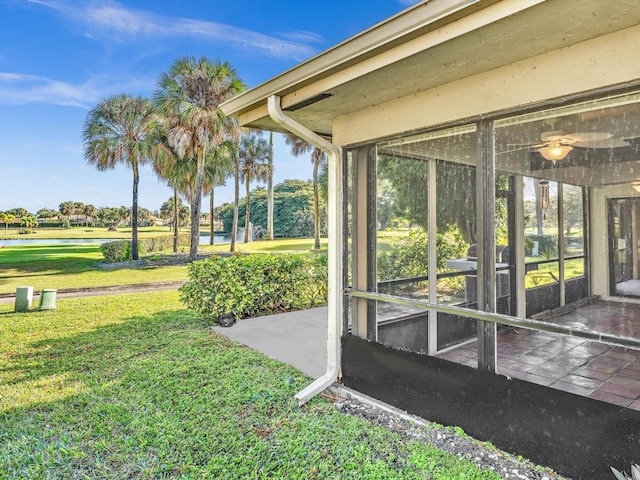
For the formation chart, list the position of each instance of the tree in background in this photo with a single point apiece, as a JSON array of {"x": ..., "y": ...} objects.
[
  {"x": 270, "y": 190},
  {"x": 28, "y": 221},
  {"x": 120, "y": 130},
  {"x": 46, "y": 214},
  {"x": 216, "y": 173},
  {"x": 124, "y": 213},
  {"x": 18, "y": 212},
  {"x": 318, "y": 157},
  {"x": 293, "y": 207},
  {"x": 456, "y": 185},
  {"x": 188, "y": 100},
  {"x": 253, "y": 153},
  {"x": 168, "y": 212},
  {"x": 66, "y": 210},
  {"x": 6, "y": 218},
  {"x": 89, "y": 211},
  {"x": 108, "y": 216},
  {"x": 236, "y": 193}
]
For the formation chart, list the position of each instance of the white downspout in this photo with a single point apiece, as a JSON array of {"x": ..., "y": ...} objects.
[{"x": 335, "y": 292}]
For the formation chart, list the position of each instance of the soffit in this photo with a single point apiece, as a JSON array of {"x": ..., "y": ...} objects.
[{"x": 545, "y": 27}]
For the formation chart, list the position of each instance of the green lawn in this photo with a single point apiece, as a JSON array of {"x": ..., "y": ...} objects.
[
  {"x": 71, "y": 266},
  {"x": 134, "y": 386},
  {"x": 280, "y": 245},
  {"x": 88, "y": 232},
  {"x": 76, "y": 265}
]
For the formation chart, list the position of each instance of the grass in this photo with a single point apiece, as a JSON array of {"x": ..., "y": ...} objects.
[
  {"x": 75, "y": 265},
  {"x": 174, "y": 401},
  {"x": 71, "y": 266},
  {"x": 82, "y": 232},
  {"x": 281, "y": 245}
]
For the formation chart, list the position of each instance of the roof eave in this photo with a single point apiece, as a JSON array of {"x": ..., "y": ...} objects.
[{"x": 416, "y": 20}]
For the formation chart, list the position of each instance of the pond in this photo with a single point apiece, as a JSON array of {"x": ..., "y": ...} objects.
[{"x": 204, "y": 240}]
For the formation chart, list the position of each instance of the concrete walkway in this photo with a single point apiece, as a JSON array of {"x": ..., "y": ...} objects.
[{"x": 297, "y": 338}]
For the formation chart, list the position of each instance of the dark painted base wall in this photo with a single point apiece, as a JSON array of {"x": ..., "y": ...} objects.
[{"x": 577, "y": 436}]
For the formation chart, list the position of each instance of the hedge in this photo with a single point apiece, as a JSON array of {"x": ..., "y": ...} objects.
[
  {"x": 254, "y": 285},
  {"x": 120, "y": 250}
]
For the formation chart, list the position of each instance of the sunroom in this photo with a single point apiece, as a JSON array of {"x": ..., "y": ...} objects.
[{"x": 484, "y": 218}]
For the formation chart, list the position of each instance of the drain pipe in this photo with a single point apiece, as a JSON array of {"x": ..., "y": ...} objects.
[{"x": 334, "y": 155}]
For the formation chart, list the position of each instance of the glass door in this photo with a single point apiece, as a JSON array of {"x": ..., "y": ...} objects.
[{"x": 623, "y": 246}]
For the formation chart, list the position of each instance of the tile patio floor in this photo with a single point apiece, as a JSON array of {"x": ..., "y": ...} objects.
[{"x": 583, "y": 367}]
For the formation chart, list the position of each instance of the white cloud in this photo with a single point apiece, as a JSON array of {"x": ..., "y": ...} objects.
[
  {"x": 302, "y": 36},
  {"x": 20, "y": 89},
  {"x": 119, "y": 23}
]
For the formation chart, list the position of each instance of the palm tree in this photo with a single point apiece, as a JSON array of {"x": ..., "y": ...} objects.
[
  {"x": 270, "y": 191},
  {"x": 298, "y": 147},
  {"x": 123, "y": 214},
  {"x": 46, "y": 214},
  {"x": 6, "y": 218},
  {"x": 108, "y": 215},
  {"x": 180, "y": 173},
  {"x": 120, "y": 129},
  {"x": 78, "y": 209},
  {"x": 216, "y": 173},
  {"x": 236, "y": 191},
  {"x": 172, "y": 169},
  {"x": 66, "y": 210},
  {"x": 28, "y": 221},
  {"x": 253, "y": 153},
  {"x": 188, "y": 101},
  {"x": 89, "y": 211}
]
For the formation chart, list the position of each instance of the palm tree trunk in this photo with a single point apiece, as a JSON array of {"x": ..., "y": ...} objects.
[
  {"x": 247, "y": 212},
  {"x": 316, "y": 205},
  {"x": 176, "y": 220},
  {"x": 270, "y": 191},
  {"x": 539, "y": 217},
  {"x": 134, "y": 212},
  {"x": 195, "y": 206},
  {"x": 236, "y": 199},
  {"x": 211, "y": 226}
]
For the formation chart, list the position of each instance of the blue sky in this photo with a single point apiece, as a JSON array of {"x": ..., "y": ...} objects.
[{"x": 58, "y": 58}]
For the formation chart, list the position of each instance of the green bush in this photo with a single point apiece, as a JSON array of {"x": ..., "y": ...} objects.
[
  {"x": 408, "y": 256},
  {"x": 254, "y": 285},
  {"x": 120, "y": 250}
]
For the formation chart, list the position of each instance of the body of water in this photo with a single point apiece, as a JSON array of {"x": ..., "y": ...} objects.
[{"x": 204, "y": 240}]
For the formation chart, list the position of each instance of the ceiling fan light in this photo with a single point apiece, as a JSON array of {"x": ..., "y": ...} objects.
[{"x": 555, "y": 152}]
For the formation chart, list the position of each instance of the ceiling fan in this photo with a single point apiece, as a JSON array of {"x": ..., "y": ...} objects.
[{"x": 556, "y": 144}]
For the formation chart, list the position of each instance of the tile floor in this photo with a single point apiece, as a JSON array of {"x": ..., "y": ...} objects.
[{"x": 583, "y": 367}]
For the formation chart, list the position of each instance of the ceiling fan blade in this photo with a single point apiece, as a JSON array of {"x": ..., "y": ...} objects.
[
  {"x": 580, "y": 137},
  {"x": 519, "y": 148},
  {"x": 608, "y": 143},
  {"x": 526, "y": 144}
]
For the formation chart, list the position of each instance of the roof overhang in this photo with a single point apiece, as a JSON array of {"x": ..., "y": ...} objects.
[{"x": 432, "y": 43}]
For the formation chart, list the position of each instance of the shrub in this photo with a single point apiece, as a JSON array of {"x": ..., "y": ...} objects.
[
  {"x": 408, "y": 256},
  {"x": 254, "y": 285},
  {"x": 120, "y": 250}
]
